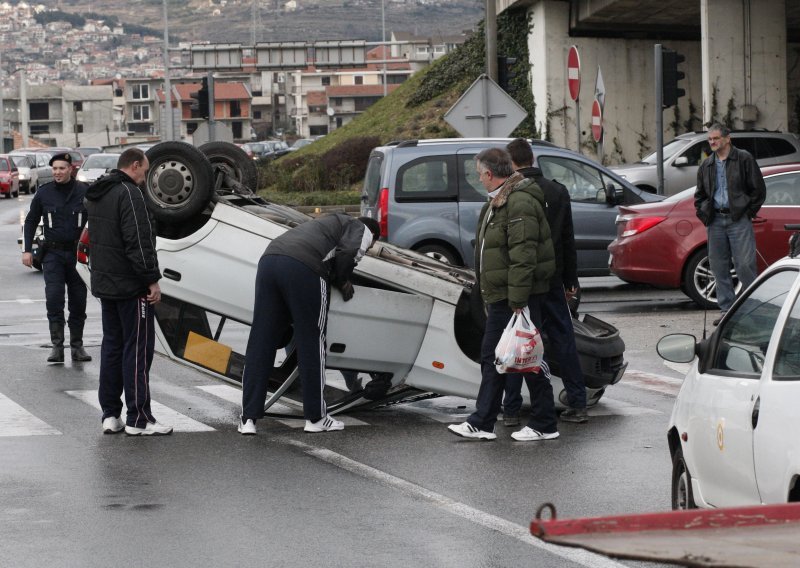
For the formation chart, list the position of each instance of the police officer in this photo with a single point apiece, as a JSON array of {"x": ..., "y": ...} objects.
[{"x": 60, "y": 204}]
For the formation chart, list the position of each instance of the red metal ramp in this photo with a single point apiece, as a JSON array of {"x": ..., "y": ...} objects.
[{"x": 758, "y": 537}]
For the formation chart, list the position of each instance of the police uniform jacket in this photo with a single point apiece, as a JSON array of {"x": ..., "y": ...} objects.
[
  {"x": 61, "y": 207},
  {"x": 122, "y": 253}
]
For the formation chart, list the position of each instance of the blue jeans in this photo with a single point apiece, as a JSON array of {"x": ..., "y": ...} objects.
[
  {"x": 730, "y": 240},
  {"x": 490, "y": 393}
]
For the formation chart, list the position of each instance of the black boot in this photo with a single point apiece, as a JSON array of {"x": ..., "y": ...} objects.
[
  {"x": 76, "y": 344},
  {"x": 57, "y": 338}
]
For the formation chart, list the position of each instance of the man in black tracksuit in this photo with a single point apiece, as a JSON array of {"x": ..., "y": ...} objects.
[
  {"x": 125, "y": 275},
  {"x": 556, "y": 317},
  {"x": 292, "y": 283},
  {"x": 60, "y": 204}
]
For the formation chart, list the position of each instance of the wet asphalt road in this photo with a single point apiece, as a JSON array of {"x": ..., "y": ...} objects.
[{"x": 393, "y": 489}]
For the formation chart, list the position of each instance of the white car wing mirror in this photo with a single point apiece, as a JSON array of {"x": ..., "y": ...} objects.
[{"x": 677, "y": 347}]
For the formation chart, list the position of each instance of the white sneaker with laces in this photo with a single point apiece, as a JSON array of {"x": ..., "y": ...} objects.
[
  {"x": 528, "y": 434},
  {"x": 247, "y": 428},
  {"x": 113, "y": 425},
  {"x": 152, "y": 429},
  {"x": 467, "y": 430},
  {"x": 326, "y": 424}
]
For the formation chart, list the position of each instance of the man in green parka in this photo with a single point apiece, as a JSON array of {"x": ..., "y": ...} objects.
[{"x": 514, "y": 261}]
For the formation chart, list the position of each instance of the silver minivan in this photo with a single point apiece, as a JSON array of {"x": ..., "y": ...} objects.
[{"x": 427, "y": 197}]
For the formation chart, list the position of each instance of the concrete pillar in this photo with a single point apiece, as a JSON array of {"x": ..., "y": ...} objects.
[{"x": 744, "y": 55}]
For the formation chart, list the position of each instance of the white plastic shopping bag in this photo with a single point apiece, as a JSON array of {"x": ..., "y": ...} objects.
[{"x": 520, "y": 348}]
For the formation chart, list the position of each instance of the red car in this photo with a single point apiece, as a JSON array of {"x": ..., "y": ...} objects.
[
  {"x": 664, "y": 243},
  {"x": 9, "y": 177}
]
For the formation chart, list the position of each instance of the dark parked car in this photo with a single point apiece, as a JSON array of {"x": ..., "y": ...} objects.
[{"x": 664, "y": 244}]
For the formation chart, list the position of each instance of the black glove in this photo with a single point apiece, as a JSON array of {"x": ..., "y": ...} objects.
[{"x": 347, "y": 291}]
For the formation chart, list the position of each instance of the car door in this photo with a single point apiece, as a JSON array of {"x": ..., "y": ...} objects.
[
  {"x": 726, "y": 398},
  {"x": 776, "y": 445},
  {"x": 472, "y": 197},
  {"x": 681, "y": 171},
  {"x": 594, "y": 219},
  {"x": 43, "y": 169},
  {"x": 781, "y": 206}
]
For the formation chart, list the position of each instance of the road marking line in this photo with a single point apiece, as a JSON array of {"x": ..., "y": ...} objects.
[
  {"x": 20, "y": 301},
  {"x": 234, "y": 395},
  {"x": 492, "y": 522},
  {"x": 16, "y": 421},
  {"x": 613, "y": 407},
  {"x": 652, "y": 382},
  {"x": 180, "y": 422}
]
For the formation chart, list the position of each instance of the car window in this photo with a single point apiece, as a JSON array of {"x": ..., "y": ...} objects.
[
  {"x": 583, "y": 182},
  {"x": 783, "y": 189},
  {"x": 372, "y": 181},
  {"x": 774, "y": 147},
  {"x": 4, "y": 165},
  {"x": 745, "y": 337},
  {"x": 41, "y": 160},
  {"x": 21, "y": 161},
  {"x": 697, "y": 153},
  {"x": 787, "y": 359},
  {"x": 101, "y": 161},
  {"x": 669, "y": 150},
  {"x": 431, "y": 177},
  {"x": 745, "y": 143},
  {"x": 470, "y": 187}
]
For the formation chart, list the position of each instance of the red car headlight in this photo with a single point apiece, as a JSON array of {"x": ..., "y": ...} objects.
[{"x": 636, "y": 225}]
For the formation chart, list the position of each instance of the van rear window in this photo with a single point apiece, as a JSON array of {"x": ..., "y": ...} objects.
[
  {"x": 431, "y": 178},
  {"x": 372, "y": 181}
]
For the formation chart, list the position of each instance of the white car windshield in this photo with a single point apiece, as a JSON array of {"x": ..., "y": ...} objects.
[
  {"x": 669, "y": 150},
  {"x": 101, "y": 162}
]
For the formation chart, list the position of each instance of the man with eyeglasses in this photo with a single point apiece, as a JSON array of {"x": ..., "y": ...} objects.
[{"x": 730, "y": 191}]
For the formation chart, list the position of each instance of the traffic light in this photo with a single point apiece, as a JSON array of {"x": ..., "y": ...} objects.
[
  {"x": 506, "y": 72},
  {"x": 200, "y": 107},
  {"x": 670, "y": 77}
]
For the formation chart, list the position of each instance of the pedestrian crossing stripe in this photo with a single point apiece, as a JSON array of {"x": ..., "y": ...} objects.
[
  {"x": 234, "y": 395},
  {"x": 16, "y": 421},
  {"x": 180, "y": 422}
]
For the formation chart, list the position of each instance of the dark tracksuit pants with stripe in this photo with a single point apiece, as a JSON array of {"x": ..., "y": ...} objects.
[
  {"x": 125, "y": 358},
  {"x": 287, "y": 292}
]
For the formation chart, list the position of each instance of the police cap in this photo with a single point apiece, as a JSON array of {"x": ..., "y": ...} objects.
[{"x": 63, "y": 157}]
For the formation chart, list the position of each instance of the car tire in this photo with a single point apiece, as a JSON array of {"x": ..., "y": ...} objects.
[
  {"x": 441, "y": 253},
  {"x": 233, "y": 161},
  {"x": 699, "y": 283},
  {"x": 682, "y": 497},
  {"x": 179, "y": 183}
]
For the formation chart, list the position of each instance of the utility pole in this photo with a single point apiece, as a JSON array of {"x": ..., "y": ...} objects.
[
  {"x": 490, "y": 29},
  {"x": 383, "y": 50},
  {"x": 211, "y": 103},
  {"x": 2, "y": 111},
  {"x": 23, "y": 105},
  {"x": 658, "y": 53},
  {"x": 75, "y": 122},
  {"x": 167, "y": 86}
]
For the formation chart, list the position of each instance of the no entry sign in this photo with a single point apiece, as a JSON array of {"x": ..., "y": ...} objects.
[
  {"x": 574, "y": 73},
  {"x": 597, "y": 121}
]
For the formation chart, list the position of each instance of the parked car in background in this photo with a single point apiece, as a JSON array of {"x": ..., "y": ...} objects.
[
  {"x": 9, "y": 177},
  {"x": 664, "y": 243},
  {"x": 89, "y": 150},
  {"x": 300, "y": 143},
  {"x": 686, "y": 152},
  {"x": 256, "y": 150},
  {"x": 41, "y": 172},
  {"x": 26, "y": 172},
  {"x": 96, "y": 166},
  {"x": 426, "y": 196},
  {"x": 733, "y": 430},
  {"x": 77, "y": 157}
]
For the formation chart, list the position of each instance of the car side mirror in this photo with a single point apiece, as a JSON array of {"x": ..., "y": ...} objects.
[
  {"x": 681, "y": 161},
  {"x": 614, "y": 194},
  {"x": 677, "y": 347}
]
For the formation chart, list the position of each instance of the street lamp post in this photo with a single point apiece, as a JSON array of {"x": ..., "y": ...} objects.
[
  {"x": 383, "y": 50},
  {"x": 167, "y": 86}
]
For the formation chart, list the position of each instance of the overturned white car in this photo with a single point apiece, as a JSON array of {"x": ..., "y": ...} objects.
[{"x": 414, "y": 325}]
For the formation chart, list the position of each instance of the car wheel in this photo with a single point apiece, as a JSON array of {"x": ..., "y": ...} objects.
[
  {"x": 441, "y": 253},
  {"x": 233, "y": 161},
  {"x": 682, "y": 498},
  {"x": 699, "y": 282},
  {"x": 179, "y": 183}
]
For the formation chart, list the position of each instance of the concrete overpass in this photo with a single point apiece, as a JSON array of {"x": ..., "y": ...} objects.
[{"x": 742, "y": 65}]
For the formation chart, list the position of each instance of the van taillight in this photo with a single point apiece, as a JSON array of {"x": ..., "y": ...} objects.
[
  {"x": 83, "y": 247},
  {"x": 383, "y": 212}
]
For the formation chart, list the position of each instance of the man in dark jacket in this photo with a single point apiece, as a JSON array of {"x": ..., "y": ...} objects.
[
  {"x": 292, "y": 283},
  {"x": 730, "y": 191},
  {"x": 124, "y": 276},
  {"x": 60, "y": 204},
  {"x": 556, "y": 317},
  {"x": 514, "y": 263}
]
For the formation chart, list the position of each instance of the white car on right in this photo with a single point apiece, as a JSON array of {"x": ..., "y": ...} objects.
[{"x": 734, "y": 433}]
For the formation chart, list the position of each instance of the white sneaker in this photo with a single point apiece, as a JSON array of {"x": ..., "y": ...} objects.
[
  {"x": 528, "y": 434},
  {"x": 247, "y": 428},
  {"x": 152, "y": 429},
  {"x": 467, "y": 430},
  {"x": 326, "y": 424},
  {"x": 112, "y": 425}
]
